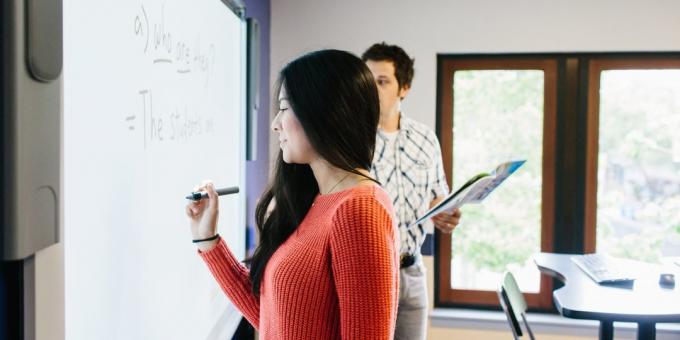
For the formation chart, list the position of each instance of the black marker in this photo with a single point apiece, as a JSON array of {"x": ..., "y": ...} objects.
[{"x": 199, "y": 195}]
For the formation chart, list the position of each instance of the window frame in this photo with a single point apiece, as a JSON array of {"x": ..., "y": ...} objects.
[
  {"x": 595, "y": 68},
  {"x": 447, "y": 66},
  {"x": 573, "y": 157}
]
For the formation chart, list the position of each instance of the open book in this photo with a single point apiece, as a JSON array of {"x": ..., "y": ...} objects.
[{"x": 473, "y": 191}]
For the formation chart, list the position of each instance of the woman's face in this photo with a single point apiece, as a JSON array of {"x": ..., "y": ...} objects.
[{"x": 293, "y": 141}]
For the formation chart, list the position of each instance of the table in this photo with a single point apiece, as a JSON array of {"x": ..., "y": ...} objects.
[{"x": 645, "y": 302}]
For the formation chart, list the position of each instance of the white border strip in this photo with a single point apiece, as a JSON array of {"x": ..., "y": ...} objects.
[{"x": 541, "y": 323}]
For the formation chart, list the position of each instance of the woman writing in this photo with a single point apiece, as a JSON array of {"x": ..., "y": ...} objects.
[{"x": 326, "y": 266}]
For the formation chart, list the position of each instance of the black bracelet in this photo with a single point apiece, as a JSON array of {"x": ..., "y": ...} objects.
[{"x": 206, "y": 239}]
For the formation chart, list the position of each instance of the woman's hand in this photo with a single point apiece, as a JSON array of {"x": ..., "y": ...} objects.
[{"x": 203, "y": 215}]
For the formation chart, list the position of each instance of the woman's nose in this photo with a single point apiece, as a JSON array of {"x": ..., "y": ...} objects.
[{"x": 276, "y": 124}]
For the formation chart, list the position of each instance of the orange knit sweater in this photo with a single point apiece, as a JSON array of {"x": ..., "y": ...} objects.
[{"x": 335, "y": 277}]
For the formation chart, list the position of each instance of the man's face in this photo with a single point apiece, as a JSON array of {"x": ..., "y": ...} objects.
[{"x": 388, "y": 87}]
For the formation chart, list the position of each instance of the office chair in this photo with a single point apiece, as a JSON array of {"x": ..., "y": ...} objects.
[{"x": 513, "y": 304}]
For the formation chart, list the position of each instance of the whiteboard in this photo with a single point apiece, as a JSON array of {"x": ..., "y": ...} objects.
[{"x": 153, "y": 104}]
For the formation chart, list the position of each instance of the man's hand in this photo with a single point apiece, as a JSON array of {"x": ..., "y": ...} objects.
[{"x": 445, "y": 221}]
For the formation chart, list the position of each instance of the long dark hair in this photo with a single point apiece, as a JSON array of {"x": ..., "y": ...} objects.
[{"x": 334, "y": 96}]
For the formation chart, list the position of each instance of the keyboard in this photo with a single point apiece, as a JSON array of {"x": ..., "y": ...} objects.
[{"x": 602, "y": 269}]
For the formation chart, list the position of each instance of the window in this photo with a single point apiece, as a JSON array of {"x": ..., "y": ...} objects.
[
  {"x": 633, "y": 205},
  {"x": 599, "y": 132},
  {"x": 494, "y": 111}
]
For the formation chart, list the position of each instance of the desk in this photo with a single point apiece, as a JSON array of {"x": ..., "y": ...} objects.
[{"x": 645, "y": 302}]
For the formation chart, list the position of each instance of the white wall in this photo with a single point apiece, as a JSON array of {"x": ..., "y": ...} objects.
[{"x": 428, "y": 27}]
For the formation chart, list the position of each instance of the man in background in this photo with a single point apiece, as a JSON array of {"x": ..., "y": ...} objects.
[{"x": 408, "y": 163}]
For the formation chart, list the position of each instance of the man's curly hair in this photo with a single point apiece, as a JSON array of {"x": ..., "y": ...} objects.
[{"x": 403, "y": 64}]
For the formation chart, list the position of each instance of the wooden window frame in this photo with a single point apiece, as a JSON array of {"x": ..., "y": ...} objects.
[
  {"x": 595, "y": 67},
  {"x": 447, "y": 66},
  {"x": 572, "y": 156}
]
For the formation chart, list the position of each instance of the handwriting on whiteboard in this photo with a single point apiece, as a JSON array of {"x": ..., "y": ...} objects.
[
  {"x": 157, "y": 42},
  {"x": 177, "y": 125}
]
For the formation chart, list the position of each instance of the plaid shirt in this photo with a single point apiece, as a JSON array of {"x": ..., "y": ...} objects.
[{"x": 411, "y": 172}]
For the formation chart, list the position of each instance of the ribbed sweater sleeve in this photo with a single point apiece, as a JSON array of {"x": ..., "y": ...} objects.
[
  {"x": 365, "y": 269},
  {"x": 234, "y": 280}
]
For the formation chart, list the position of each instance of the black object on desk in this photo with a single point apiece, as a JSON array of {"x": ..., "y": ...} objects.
[
  {"x": 667, "y": 280},
  {"x": 644, "y": 302}
]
